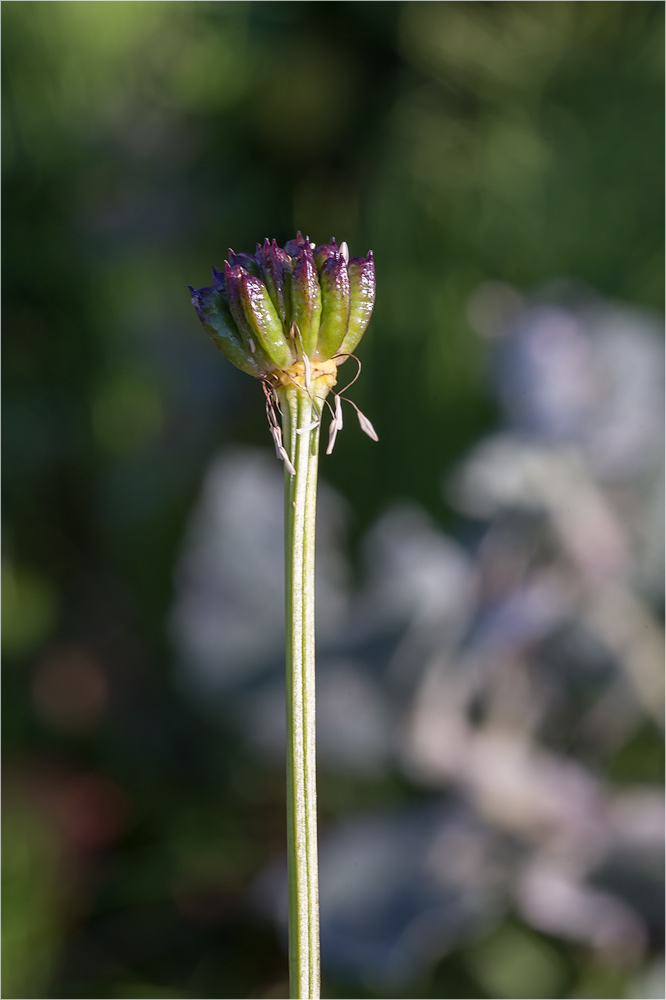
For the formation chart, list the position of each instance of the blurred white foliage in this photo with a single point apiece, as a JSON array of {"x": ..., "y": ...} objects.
[
  {"x": 228, "y": 618},
  {"x": 572, "y": 368}
]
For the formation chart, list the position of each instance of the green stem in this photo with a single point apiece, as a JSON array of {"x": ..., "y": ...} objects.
[{"x": 299, "y": 412}]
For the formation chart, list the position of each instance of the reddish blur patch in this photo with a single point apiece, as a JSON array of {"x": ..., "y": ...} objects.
[
  {"x": 70, "y": 689},
  {"x": 93, "y": 811}
]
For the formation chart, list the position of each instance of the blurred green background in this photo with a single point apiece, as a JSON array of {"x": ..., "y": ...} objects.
[{"x": 464, "y": 143}]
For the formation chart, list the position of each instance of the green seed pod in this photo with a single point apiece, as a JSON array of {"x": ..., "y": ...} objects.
[
  {"x": 277, "y": 274},
  {"x": 362, "y": 285},
  {"x": 264, "y": 322},
  {"x": 336, "y": 301},
  {"x": 232, "y": 280},
  {"x": 218, "y": 323},
  {"x": 305, "y": 300}
]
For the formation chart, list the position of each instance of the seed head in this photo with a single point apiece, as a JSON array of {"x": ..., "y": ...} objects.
[
  {"x": 279, "y": 308},
  {"x": 290, "y": 317}
]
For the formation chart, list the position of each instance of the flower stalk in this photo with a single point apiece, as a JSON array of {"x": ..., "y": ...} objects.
[
  {"x": 290, "y": 317},
  {"x": 301, "y": 441}
]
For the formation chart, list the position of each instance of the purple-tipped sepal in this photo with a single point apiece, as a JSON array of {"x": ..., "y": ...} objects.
[
  {"x": 293, "y": 246},
  {"x": 324, "y": 252},
  {"x": 248, "y": 261},
  {"x": 219, "y": 283}
]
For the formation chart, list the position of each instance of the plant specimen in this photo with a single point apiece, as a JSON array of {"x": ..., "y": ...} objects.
[{"x": 290, "y": 317}]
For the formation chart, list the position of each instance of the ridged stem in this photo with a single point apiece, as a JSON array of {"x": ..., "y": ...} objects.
[{"x": 301, "y": 440}]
